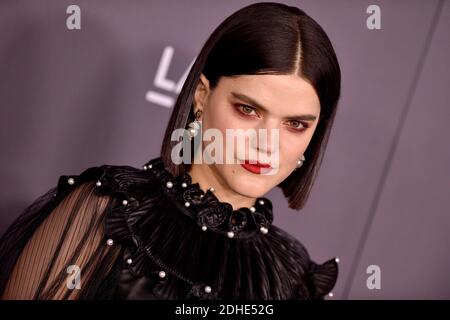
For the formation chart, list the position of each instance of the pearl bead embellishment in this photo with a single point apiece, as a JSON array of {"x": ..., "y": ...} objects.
[
  {"x": 125, "y": 202},
  {"x": 129, "y": 261},
  {"x": 230, "y": 234},
  {"x": 208, "y": 289},
  {"x": 110, "y": 242},
  {"x": 252, "y": 209},
  {"x": 169, "y": 184},
  {"x": 184, "y": 185},
  {"x": 98, "y": 183},
  {"x": 187, "y": 204},
  {"x": 204, "y": 228},
  {"x": 264, "y": 230},
  {"x": 162, "y": 274},
  {"x": 71, "y": 181}
]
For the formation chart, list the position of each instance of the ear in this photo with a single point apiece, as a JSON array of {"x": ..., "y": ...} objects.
[{"x": 201, "y": 93}]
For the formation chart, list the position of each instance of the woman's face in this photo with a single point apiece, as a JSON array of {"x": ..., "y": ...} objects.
[{"x": 283, "y": 104}]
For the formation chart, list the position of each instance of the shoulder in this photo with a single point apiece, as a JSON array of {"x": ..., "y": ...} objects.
[
  {"x": 110, "y": 179},
  {"x": 311, "y": 280},
  {"x": 128, "y": 187},
  {"x": 133, "y": 191}
]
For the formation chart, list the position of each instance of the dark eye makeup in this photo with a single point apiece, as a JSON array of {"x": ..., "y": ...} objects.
[{"x": 246, "y": 111}]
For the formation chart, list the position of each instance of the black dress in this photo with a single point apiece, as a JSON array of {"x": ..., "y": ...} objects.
[{"x": 144, "y": 234}]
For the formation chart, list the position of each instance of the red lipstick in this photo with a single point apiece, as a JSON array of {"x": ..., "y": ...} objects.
[{"x": 254, "y": 167}]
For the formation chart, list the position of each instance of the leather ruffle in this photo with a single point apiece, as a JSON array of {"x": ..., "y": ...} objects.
[
  {"x": 158, "y": 232},
  {"x": 322, "y": 278},
  {"x": 207, "y": 210}
]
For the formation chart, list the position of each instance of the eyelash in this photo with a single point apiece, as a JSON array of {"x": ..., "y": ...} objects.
[{"x": 240, "y": 108}]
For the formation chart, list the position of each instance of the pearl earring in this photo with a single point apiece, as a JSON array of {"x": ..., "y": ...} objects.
[
  {"x": 194, "y": 126},
  {"x": 300, "y": 162}
]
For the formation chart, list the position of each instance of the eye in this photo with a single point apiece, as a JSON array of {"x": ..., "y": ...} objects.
[
  {"x": 298, "y": 125},
  {"x": 247, "y": 110}
]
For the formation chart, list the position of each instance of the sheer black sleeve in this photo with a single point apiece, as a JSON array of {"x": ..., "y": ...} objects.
[{"x": 57, "y": 249}]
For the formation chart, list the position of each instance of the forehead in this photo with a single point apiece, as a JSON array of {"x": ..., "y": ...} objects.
[{"x": 278, "y": 93}]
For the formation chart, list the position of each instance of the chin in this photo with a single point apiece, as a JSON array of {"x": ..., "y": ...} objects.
[
  {"x": 249, "y": 192},
  {"x": 252, "y": 187}
]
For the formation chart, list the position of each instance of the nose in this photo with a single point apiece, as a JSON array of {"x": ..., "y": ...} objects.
[{"x": 267, "y": 138}]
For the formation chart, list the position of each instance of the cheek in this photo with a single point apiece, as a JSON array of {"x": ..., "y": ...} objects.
[
  {"x": 217, "y": 120},
  {"x": 292, "y": 146},
  {"x": 222, "y": 117}
]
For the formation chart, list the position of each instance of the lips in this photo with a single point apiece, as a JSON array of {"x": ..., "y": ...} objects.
[{"x": 254, "y": 167}]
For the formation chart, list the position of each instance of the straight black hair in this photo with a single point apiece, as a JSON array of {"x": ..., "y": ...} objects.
[{"x": 267, "y": 38}]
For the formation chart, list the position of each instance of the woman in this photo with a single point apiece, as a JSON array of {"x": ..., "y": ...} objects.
[{"x": 197, "y": 230}]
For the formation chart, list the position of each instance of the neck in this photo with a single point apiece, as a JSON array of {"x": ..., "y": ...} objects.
[{"x": 204, "y": 175}]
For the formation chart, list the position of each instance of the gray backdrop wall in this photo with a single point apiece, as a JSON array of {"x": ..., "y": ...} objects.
[{"x": 71, "y": 99}]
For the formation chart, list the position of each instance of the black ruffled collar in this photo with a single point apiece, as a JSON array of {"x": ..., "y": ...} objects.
[
  {"x": 207, "y": 210},
  {"x": 160, "y": 233}
]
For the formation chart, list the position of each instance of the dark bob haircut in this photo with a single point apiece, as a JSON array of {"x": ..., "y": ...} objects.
[{"x": 267, "y": 38}]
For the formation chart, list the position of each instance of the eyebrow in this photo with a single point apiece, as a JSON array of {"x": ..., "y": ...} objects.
[{"x": 241, "y": 96}]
